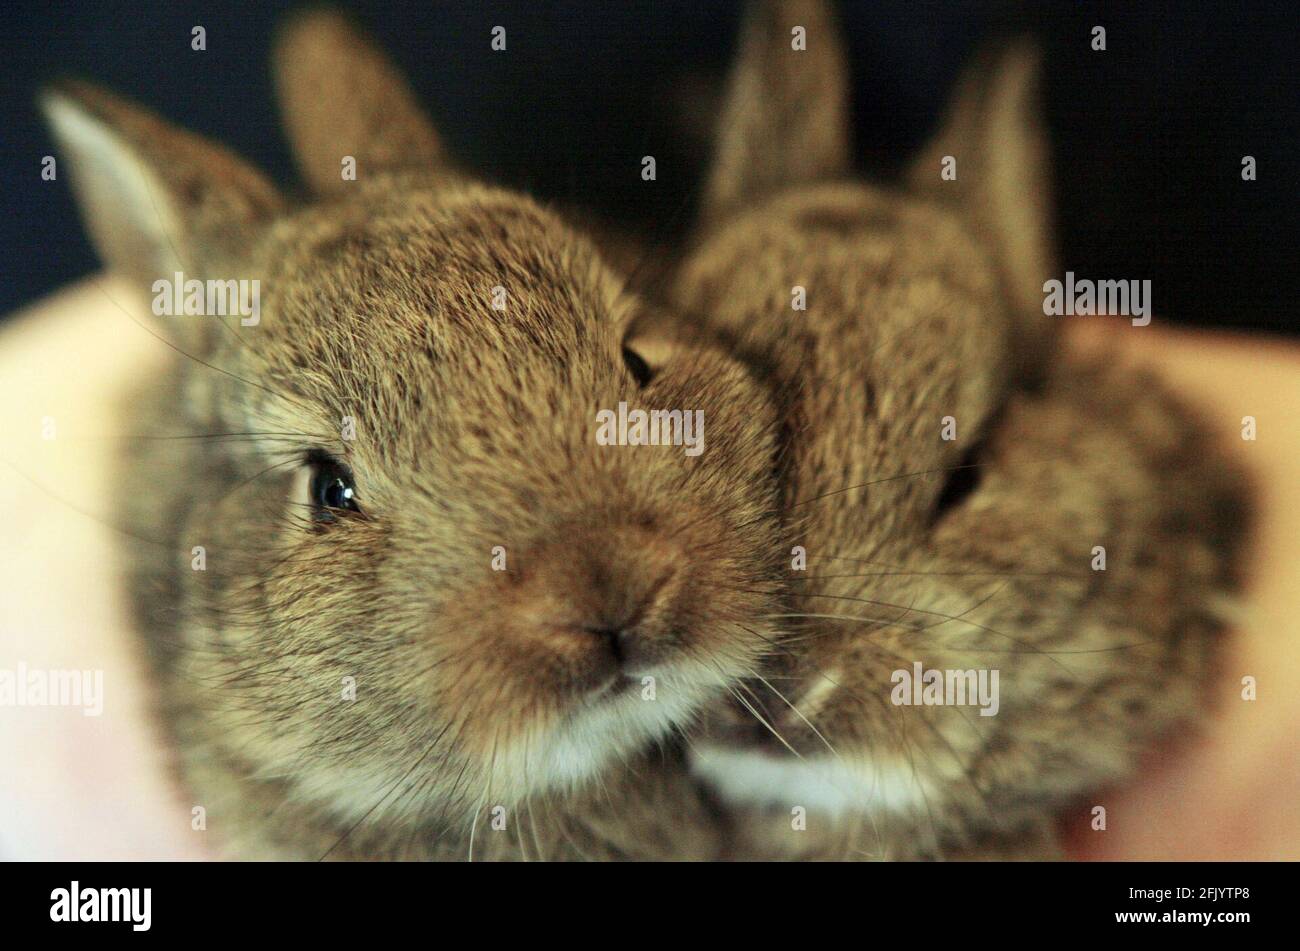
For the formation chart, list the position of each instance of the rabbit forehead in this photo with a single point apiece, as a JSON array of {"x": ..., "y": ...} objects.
[
  {"x": 459, "y": 254},
  {"x": 381, "y": 292},
  {"x": 897, "y": 293},
  {"x": 823, "y": 234}
]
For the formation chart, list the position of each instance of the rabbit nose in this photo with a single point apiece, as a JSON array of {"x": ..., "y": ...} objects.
[
  {"x": 618, "y": 640},
  {"x": 620, "y": 627},
  {"x": 608, "y": 593}
]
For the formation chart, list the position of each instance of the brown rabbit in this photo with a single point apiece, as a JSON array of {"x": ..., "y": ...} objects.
[
  {"x": 402, "y": 603},
  {"x": 952, "y": 482}
]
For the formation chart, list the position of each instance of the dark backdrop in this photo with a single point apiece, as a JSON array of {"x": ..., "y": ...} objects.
[{"x": 1147, "y": 136}]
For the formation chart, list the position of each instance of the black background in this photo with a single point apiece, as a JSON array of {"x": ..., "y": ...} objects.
[
  {"x": 1148, "y": 136},
  {"x": 892, "y": 904}
]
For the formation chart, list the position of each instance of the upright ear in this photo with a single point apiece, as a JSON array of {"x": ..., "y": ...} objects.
[
  {"x": 341, "y": 97},
  {"x": 994, "y": 132},
  {"x": 155, "y": 199},
  {"x": 785, "y": 120}
]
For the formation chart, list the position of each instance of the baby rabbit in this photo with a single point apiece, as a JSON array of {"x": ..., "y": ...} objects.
[
  {"x": 1051, "y": 539},
  {"x": 403, "y": 604}
]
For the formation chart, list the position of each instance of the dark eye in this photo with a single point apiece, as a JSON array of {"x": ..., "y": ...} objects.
[
  {"x": 331, "y": 489},
  {"x": 637, "y": 366},
  {"x": 961, "y": 482}
]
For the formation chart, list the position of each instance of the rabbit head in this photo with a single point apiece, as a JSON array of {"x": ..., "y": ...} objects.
[
  {"x": 957, "y": 664},
  {"x": 399, "y": 490}
]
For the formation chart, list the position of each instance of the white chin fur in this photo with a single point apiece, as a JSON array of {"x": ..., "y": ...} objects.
[
  {"x": 824, "y": 783},
  {"x": 581, "y": 746}
]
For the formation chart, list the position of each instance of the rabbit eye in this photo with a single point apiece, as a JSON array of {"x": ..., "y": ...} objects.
[
  {"x": 961, "y": 483},
  {"x": 637, "y": 366},
  {"x": 331, "y": 489}
]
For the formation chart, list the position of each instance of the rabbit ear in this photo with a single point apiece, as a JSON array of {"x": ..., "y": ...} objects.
[
  {"x": 340, "y": 97},
  {"x": 995, "y": 135},
  {"x": 155, "y": 199},
  {"x": 785, "y": 119}
]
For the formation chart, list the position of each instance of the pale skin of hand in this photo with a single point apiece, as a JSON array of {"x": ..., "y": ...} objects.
[{"x": 96, "y": 787}]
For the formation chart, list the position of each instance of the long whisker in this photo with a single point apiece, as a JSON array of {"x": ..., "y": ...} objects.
[
  {"x": 799, "y": 713},
  {"x": 893, "y": 478}
]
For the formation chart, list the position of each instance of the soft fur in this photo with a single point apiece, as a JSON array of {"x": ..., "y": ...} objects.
[
  {"x": 925, "y": 303},
  {"x": 483, "y": 695},
  {"x": 484, "y": 698}
]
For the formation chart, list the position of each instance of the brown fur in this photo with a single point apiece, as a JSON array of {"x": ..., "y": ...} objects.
[
  {"x": 475, "y": 428},
  {"x": 923, "y": 304}
]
